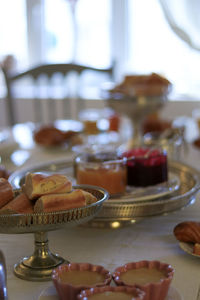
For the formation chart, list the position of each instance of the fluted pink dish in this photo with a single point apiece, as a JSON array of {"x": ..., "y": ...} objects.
[
  {"x": 153, "y": 290},
  {"x": 136, "y": 293},
  {"x": 68, "y": 291}
]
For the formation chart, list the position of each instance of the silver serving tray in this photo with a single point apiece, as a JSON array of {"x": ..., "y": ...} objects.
[{"x": 132, "y": 211}]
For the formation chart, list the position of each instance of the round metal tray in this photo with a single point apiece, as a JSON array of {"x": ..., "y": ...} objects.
[{"x": 116, "y": 214}]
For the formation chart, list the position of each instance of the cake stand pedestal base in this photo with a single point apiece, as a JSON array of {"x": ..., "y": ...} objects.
[{"x": 39, "y": 266}]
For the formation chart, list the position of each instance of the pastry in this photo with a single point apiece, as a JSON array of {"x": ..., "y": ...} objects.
[
  {"x": 48, "y": 136},
  {"x": 3, "y": 172},
  {"x": 52, "y": 136},
  {"x": 69, "y": 134},
  {"x": 20, "y": 204},
  {"x": 196, "y": 249},
  {"x": 196, "y": 142},
  {"x": 57, "y": 202},
  {"x": 6, "y": 192},
  {"x": 143, "y": 85},
  {"x": 188, "y": 232},
  {"x": 38, "y": 184},
  {"x": 155, "y": 125}
]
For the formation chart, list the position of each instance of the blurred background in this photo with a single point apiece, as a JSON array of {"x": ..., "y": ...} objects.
[{"x": 136, "y": 36}]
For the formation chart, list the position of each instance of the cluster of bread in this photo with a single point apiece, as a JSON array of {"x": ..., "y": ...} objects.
[
  {"x": 49, "y": 135},
  {"x": 42, "y": 193},
  {"x": 143, "y": 85},
  {"x": 189, "y": 232}
]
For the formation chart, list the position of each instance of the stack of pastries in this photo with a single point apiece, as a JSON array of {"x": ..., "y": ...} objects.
[
  {"x": 42, "y": 193},
  {"x": 143, "y": 85}
]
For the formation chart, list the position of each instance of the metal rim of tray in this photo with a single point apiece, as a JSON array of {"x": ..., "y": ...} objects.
[{"x": 131, "y": 212}]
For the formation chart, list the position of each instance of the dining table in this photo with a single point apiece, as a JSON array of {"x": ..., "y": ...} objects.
[{"x": 151, "y": 238}]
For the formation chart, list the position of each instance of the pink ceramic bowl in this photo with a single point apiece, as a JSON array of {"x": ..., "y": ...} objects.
[
  {"x": 103, "y": 293},
  {"x": 71, "y": 279},
  {"x": 154, "y": 288}
]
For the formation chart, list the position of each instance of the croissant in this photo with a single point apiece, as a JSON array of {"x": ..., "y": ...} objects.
[{"x": 188, "y": 231}]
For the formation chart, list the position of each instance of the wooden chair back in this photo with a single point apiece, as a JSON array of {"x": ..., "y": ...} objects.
[{"x": 47, "y": 70}]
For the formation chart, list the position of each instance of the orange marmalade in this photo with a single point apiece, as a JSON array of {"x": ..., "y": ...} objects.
[{"x": 109, "y": 174}]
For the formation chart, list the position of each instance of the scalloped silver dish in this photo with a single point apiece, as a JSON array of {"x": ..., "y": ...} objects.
[{"x": 132, "y": 211}]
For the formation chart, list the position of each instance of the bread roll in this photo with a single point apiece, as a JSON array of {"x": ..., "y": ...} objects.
[
  {"x": 6, "y": 192},
  {"x": 57, "y": 202},
  {"x": 20, "y": 204},
  {"x": 38, "y": 184},
  {"x": 188, "y": 232}
]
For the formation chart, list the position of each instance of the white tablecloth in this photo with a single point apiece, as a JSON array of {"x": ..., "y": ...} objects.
[{"x": 149, "y": 239}]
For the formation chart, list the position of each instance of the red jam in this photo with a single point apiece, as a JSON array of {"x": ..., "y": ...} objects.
[{"x": 146, "y": 167}]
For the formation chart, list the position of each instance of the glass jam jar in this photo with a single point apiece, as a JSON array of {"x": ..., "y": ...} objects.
[
  {"x": 102, "y": 169},
  {"x": 146, "y": 166}
]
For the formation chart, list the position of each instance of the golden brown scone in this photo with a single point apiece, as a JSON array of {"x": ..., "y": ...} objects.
[
  {"x": 6, "y": 192},
  {"x": 38, "y": 184},
  {"x": 188, "y": 232},
  {"x": 57, "y": 202},
  {"x": 20, "y": 204}
]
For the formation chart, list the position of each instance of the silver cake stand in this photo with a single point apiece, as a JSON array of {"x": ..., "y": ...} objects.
[
  {"x": 39, "y": 266},
  {"x": 136, "y": 108}
]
